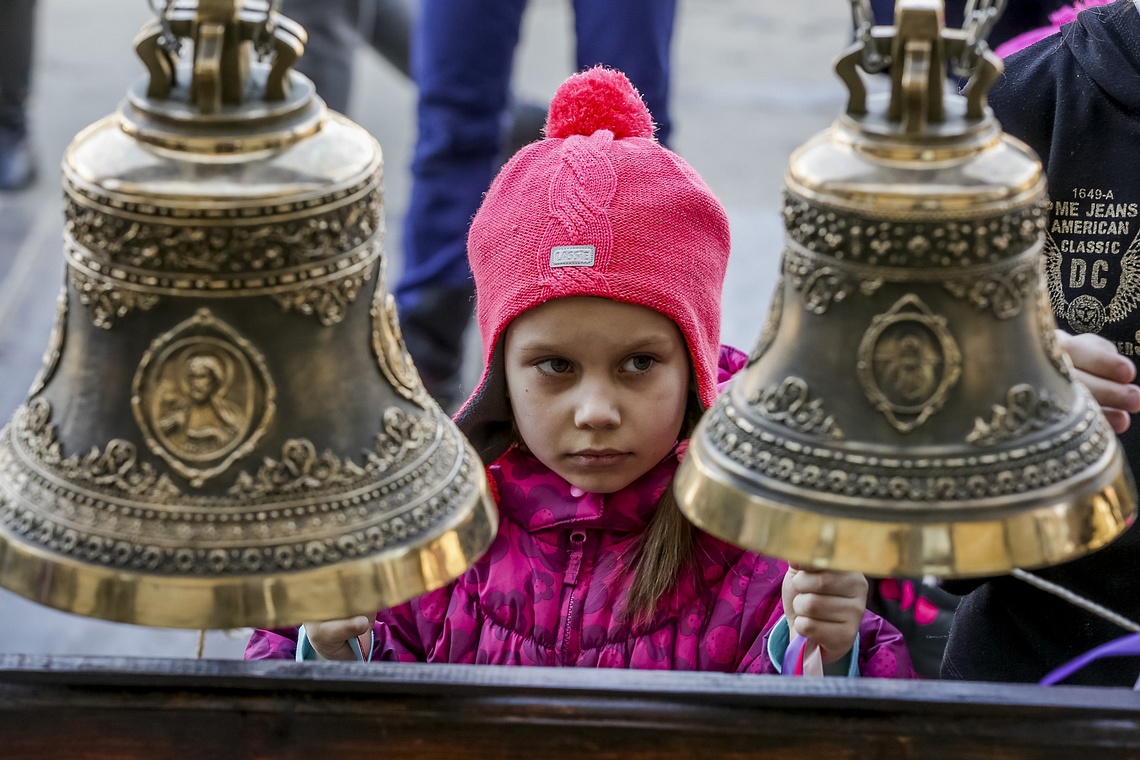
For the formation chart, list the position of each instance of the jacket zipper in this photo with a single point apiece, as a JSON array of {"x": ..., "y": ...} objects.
[{"x": 570, "y": 581}]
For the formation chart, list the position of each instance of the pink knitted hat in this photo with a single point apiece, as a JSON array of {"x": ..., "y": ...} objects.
[{"x": 598, "y": 208}]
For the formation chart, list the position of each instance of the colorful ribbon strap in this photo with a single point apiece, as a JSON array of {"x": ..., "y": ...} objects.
[{"x": 1127, "y": 646}]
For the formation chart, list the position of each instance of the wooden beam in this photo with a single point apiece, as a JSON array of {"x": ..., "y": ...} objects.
[{"x": 96, "y": 708}]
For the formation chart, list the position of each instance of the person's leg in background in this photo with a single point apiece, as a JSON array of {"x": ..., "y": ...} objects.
[
  {"x": 462, "y": 55},
  {"x": 635, "y": 37},
  {"x": 334, "y": 32},
  {"x": 17, "y": 29},
  {"x": 389, "y": 32}
]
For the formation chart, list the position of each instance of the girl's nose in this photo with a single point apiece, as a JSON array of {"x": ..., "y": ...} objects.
[{"x": 596, "y": 408}]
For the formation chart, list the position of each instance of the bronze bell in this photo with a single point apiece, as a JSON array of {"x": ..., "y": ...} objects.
[
  {"x": 908, "y": 410},
  {"x": 227, "y": 430}
]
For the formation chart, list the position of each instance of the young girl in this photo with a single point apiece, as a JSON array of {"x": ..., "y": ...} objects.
[{"x": 598, "y": 258}]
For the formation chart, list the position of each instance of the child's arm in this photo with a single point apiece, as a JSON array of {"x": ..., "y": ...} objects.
[
  {"x": 825, "y": 607},
  {"x": 1107, "y": 374}
]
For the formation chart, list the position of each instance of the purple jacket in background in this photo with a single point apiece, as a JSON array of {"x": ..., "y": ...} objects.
[{"x": 550, "y": 589}]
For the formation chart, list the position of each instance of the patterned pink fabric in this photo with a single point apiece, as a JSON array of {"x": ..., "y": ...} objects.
[{"x": 550, "y": 590}]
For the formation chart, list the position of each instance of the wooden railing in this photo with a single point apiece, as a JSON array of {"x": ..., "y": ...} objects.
[{"x": 74, "y": 708}]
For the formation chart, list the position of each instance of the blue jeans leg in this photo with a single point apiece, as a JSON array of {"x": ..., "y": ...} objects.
[
  {"x": 462, "y": 53},
  {"x": 634, "y": 36}
]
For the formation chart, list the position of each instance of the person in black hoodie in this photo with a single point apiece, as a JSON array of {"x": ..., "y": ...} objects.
[
  {"x": 1074, "y": 98},
  {"x": 1019, "y": 16}
]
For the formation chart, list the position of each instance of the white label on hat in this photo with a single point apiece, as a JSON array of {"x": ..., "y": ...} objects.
[{"x": 572, "y": 256}]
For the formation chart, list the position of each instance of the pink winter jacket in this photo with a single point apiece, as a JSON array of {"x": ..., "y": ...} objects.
[{"x": 550, "y": 589}]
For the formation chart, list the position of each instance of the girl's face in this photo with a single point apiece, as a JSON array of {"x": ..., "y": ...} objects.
[{"x": 597, "y": 388}]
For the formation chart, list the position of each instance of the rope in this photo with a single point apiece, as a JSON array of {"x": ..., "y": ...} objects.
[{"x": 1076, "y": 599}]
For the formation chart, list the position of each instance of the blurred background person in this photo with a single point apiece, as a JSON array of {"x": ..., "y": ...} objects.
[
  {"x": 17, "y": 21},
  {"x": 462, "y": 57},
  {"x": 337, "y": 27},
  {"x": 1019, "y": 16}
]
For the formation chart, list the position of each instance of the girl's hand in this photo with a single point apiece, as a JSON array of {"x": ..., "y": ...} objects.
[
  {"x": 330, "y": 638},
  {"x": 1107, "y": 374},
  {"x": 825, "y": 607}
]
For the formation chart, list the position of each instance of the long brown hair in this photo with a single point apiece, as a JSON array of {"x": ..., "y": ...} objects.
[{"x": 668, "y": 545}]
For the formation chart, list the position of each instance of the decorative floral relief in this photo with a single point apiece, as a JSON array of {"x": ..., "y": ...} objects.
[
  {"x": 1027, "y": 410},
  {"x": 822, "y": 284},
  {"x": 1004, "y": 292},
  {"x": 274, "y": 237},
  {"x": 107, "y": 301},
  {"x": 300, "y": 512},
  {"x": 1048, "y": 327},
  {"x": 787, "y": 404},
  {"x": 388, "y": 345},
  {"x": 116, "y": 467},
  {"x": 300, "y": 469},
  {"x": 901, "y": 478},
  {"x": 771, "y": 324},
  {"x": 327, "y": 300},
  {"x": 903, "y": 243}
]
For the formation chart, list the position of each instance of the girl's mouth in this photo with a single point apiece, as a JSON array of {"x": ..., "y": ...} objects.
[{"x": 599, "y": 458}]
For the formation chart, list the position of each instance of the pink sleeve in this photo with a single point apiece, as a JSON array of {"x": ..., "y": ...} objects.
[
  {"x": 408, "y": 633},
  {"x": 401, "y": 634},
  {"x": 275, "y": 644},
  {"x": 882, "y": 650}
]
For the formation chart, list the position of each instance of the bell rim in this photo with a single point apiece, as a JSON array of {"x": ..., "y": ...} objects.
[
  {"x": 1106, "y": 507},
  {"x": 324, "y": 593}
]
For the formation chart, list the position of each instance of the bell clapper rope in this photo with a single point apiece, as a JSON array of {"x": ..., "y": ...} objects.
[
  {"x": 1076, "y": 599},
  {"x": 201, "y": 642}
]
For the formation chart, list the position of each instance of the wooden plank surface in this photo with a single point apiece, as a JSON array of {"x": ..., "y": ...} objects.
[{"x": 120, "y": 708}]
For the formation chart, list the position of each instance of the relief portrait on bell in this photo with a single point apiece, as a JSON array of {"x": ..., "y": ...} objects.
[
  {"x": 203, "y": 399},
  {"x": 907, "y": 364}
]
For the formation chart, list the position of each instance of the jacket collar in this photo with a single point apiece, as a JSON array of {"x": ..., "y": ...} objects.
[{"x": 533, "y": 496}]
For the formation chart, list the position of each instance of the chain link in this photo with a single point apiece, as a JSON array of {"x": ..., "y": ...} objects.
[
  {"x": 168, "y": 40},
  {"x": 864, "y": 21},
  {"x": 980, "y": 17},
  {"x": 263, "y": 36}
]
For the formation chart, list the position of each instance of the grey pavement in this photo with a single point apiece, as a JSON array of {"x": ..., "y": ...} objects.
[{"x": 753, "y": 80}]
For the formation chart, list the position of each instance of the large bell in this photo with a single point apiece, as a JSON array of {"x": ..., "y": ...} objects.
[
  {"x": 227, "y": 430},
  {"x": 907, "y": 410}
]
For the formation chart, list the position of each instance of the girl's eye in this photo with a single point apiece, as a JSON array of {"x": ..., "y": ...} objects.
[
  {"x": 639, "y": 363},
  {"x": 555, "y": 366}
]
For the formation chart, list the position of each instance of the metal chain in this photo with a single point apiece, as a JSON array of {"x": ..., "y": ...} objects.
[
  {"x": 980, "y": 17},
  {"x": 168, "y": 41},
  {"x": 864, "y": 21},
  {"x": 263, "y": 37}
]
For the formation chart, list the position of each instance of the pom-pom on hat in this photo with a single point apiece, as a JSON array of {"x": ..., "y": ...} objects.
[{"x": 597, "y": 208}]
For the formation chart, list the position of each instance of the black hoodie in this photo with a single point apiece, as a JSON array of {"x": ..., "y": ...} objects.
[{"x": 1075, "y": 99}]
